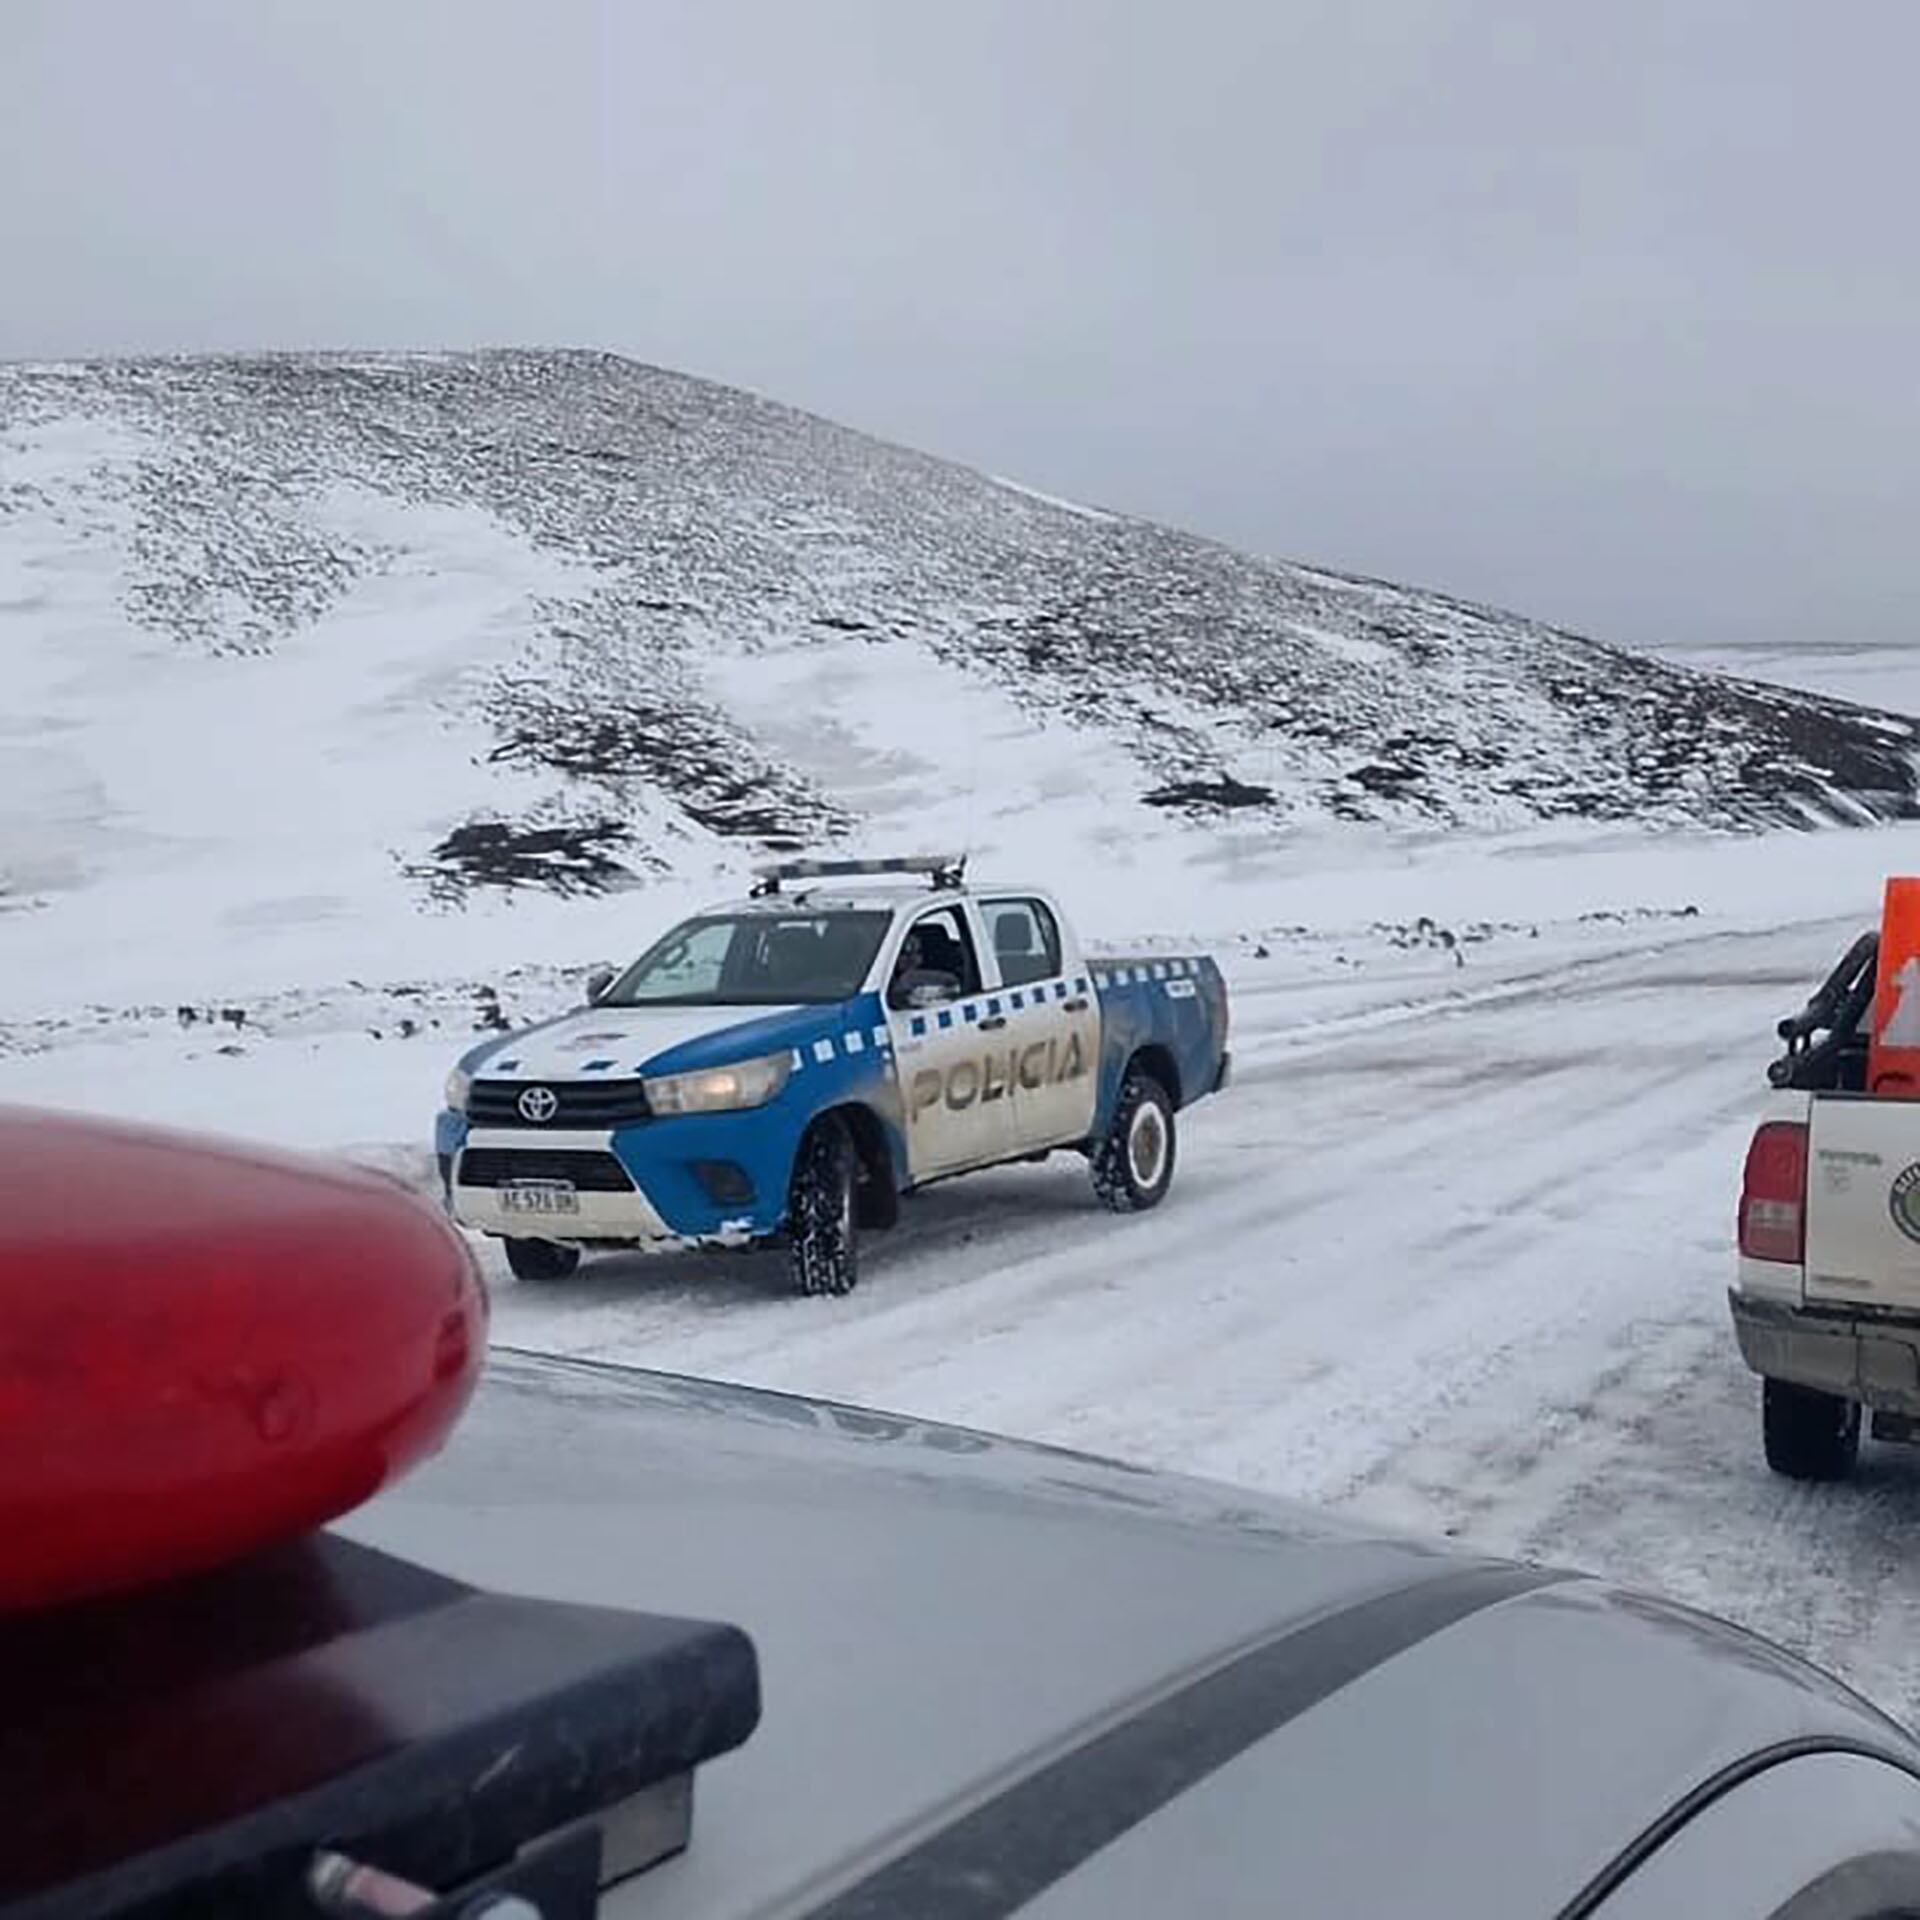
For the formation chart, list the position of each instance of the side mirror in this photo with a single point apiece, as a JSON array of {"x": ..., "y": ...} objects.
[
  {"x": 598, "y": 981},
  {"x": 931, "y": 994}
]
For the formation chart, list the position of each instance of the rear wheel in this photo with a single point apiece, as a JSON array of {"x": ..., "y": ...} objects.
[
  {"x": 1809, "y": 1435},
  {"x": 541, "y": 1259},
  {"x": 1133, "y": 1163},
  {"x": 822, "y": 1237}
]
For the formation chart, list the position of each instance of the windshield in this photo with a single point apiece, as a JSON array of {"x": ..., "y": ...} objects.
[{"x": 754, "y": 960}]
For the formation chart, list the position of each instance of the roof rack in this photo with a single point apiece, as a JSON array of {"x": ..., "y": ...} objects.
[{"x": 943, "y": 870}]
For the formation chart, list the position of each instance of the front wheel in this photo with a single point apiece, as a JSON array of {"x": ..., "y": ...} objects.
[
  {"x": 541, "y": 1259},
  {"x": 1133, "y": 1161},
  {"x": 822, "y": 1242},
  {"x": 1809, "y": 1435}
]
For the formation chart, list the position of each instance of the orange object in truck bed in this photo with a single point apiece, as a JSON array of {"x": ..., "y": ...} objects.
[{"x": 1893, "y": 1059}]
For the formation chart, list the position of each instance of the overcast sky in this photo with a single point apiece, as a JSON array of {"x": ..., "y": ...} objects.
[{"x": 1607, "y": 310}]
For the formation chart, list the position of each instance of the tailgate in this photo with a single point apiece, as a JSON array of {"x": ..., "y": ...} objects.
[{"x": 1863, "y": 1202}]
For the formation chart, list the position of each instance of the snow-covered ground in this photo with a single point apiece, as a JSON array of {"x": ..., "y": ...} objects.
[{"x": 1452, "y": 1251}]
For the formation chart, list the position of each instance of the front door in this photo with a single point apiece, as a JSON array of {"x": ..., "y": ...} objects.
[
  {"x": 945, "y": 1043},
  {"x": 1053, "y": 1026}
]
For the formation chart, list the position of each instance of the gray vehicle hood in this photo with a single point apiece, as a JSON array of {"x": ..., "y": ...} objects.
[{"x": 940, "y": 1614}]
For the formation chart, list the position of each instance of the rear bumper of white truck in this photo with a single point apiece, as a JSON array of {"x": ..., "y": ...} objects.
[{"x": 1872, "y": 1358}]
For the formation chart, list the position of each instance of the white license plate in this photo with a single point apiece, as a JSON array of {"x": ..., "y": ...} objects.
[{"x": 528, "y": 1196}]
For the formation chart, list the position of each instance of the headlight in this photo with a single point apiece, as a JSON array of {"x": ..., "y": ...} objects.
[
  {"x": 459, "y": 1085},
  {"x": 750, "y": 1083}
]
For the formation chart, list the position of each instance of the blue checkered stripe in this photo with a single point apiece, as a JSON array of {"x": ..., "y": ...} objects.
[
  {"x": 851, "y": 1043},
  {"x": 990, "y": 1006},
  {"x": 1144, "y": 974}
]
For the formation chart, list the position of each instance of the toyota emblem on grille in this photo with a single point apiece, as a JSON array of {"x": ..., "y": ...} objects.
[{"x": 539, "y": 1105}]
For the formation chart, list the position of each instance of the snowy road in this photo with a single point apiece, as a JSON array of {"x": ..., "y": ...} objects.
[{"x": 1457, "y": 1264}]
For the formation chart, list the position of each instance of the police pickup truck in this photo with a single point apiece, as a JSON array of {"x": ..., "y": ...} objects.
[{"x": 787, "y": 1066}]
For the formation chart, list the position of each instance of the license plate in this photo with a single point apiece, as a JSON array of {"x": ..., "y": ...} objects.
[{"x": 528, "y": 1196}]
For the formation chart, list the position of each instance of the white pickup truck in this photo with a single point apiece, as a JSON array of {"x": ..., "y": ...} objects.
[{"x": 1826, "y": 1299}]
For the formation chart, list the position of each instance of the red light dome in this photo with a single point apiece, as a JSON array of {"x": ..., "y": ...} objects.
[{"x": 205, "y": 1349}]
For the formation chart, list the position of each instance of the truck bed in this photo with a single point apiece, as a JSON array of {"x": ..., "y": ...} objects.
[{"x": 1176, "y": 1002}]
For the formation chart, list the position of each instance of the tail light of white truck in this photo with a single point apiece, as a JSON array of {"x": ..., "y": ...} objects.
[{"x": 1773, "y": 1197}]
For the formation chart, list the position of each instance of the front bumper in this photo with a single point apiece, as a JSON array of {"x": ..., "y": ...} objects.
[
  {"x": 670, "y": 1198},
  {"x": 1871, "y": 1358}
]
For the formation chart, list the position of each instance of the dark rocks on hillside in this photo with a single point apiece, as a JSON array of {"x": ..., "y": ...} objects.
[
  {"x": 1223, "y": 795},
  {"x": 497, "y": 853}
]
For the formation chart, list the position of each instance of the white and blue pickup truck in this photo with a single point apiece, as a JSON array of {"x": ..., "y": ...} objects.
[{"x": 785, "y": 1067}]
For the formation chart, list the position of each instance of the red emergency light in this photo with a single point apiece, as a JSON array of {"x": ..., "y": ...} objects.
[{"x": 207, "y": 1349}]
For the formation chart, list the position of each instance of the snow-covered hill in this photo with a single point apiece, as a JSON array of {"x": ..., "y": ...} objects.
[{"x": 292, "y": 638}]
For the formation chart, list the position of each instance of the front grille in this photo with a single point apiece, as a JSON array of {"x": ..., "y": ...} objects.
[
  {"x": 583, "y": 1103},
  {"x": 584, "y": 1171}
]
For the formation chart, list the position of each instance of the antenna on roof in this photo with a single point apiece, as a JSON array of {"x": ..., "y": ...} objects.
[
  {"x": 944, "y": 870},
  {"x": 973, "y": 788}
]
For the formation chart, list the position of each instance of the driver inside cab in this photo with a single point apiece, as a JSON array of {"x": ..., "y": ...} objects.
[{"x": 928, "y": 972}]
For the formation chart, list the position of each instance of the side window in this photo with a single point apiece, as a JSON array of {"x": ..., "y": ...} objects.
[
  {"x": 937, "y": 962},
  {"x": 1026, "y": 941}
]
